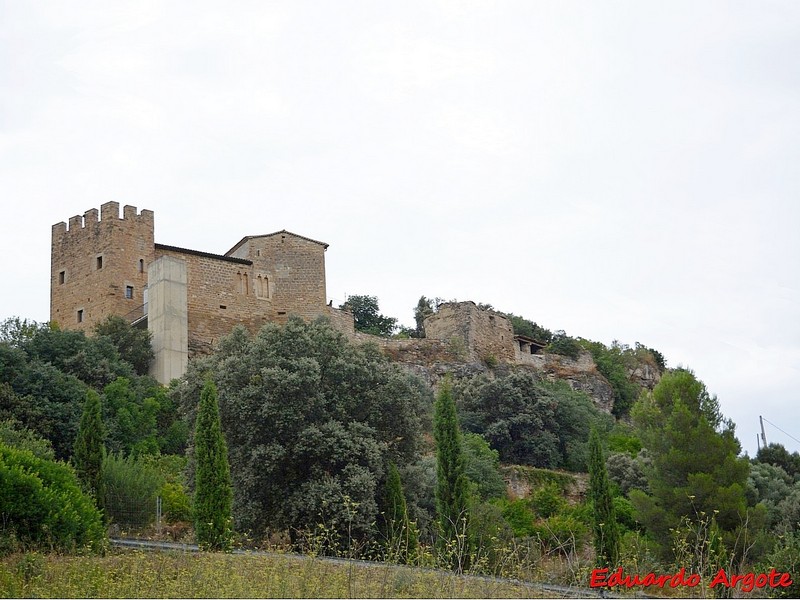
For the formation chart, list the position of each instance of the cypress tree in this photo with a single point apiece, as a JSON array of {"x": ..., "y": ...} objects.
[
  {"x": 401, "y": 534},
  {"x": 452, "y": 486},
  {"x": 89, "y": 450},
  {"x": 213, "y": 494},
  {"x": 606, "y": 530}
]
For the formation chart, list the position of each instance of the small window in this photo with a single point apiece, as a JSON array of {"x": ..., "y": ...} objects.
[
  {"x": 80, "y": 316},
  {"x": 281, "y": 312},
  {"x": 141, "y": 265},
  {"x": 62, "y": 275},
  {"x": 222, "y": 306},
  {"x": 129, "y": 292},
  {"x": 99, "y": 262}
]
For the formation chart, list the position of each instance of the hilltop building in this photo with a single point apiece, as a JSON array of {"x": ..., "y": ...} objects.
[
  {"x": 106, "y": 265},
  {"x": 103, "y": 264}
]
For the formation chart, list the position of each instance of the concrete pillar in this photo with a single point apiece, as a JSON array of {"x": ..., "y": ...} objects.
[{"x": 168, "y": 317}]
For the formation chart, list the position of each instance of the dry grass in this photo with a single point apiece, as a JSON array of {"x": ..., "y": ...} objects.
[{"x": 133, "y": 574}]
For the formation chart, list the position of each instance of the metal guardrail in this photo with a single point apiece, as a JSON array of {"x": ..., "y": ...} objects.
[{"x": 552, "y": 590}]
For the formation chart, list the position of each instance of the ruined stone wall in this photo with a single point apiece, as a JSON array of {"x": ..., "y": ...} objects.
[
  {"x": 98, "y": 266},
  {"x": 342, "y": 320},
  {"x": 486, "y": 335}
]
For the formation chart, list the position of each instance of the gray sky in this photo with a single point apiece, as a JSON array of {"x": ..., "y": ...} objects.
[{"x": 619, "y": 170}]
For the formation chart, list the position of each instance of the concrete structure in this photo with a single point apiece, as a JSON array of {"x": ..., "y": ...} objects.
[{"x": 188, "y": 299}]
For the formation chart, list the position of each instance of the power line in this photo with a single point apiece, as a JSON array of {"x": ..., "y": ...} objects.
[{"x": 781, "y": 430}]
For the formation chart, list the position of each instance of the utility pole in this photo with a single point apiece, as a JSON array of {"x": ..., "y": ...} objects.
[{"x": 763, "y": 435}]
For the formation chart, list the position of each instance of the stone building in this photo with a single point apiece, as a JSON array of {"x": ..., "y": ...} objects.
[
  {"x": 103, "y": 264},
  {"x": 106, "y": 265}
]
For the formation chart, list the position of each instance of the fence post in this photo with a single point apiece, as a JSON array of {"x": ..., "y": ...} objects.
[{"x": 158, "y": 514}]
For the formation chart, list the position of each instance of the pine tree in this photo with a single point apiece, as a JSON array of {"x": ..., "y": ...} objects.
[
  {"x": 606, "y": 529},
  {"x": 213, "y": 494},
  {"x": 452, "y": 486},
  {"x": 88, "y": 451},
  {"x": 401, "y": 534}
]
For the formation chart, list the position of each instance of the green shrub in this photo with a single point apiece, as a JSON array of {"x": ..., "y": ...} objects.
[
  {"x": 482, "y": 466},
  {"x": 519, "y": 516},
  {"x": 43, "y": 506},
  {"x": 547, "y": 501},
  {"x": 564, "y": 345},
  {"x": 562, "y": 533},
  {"x": 130, "y": 489},
  {"x": 175, "y": 503},
  {"x": 14, "y": 434}
]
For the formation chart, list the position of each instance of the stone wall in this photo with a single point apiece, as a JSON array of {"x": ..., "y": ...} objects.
[
  {"x": 98, "y": 266},
  {"x": 486, "y": 335},
  {"x": 289, "y": 271},
  {"x": 217, "y": 297}
]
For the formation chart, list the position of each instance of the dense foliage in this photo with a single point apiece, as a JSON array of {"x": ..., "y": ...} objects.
[
  {"x": 528, "y": 328},
  {"x": 42, "y": 504},
  {"x": 130, "y": 487},
  {"x": 132, "y": 343},
  {"x": 311, "y": 422},
  {"x": 367, "y": 316},
  {"x": 614, "y": 365},
  {"x": 529, "y": 421},
  {"x": 45, "y": 374},
  {"x": 694, "y": 468},
  {"x": 212, "y": 490}
]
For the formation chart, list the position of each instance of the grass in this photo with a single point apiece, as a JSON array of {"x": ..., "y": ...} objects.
[{"x": 136, "y": 574}]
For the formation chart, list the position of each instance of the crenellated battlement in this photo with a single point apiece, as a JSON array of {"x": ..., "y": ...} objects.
[
  {"x": 108, "y": 213},
  {"x": 99, "y": 264}
]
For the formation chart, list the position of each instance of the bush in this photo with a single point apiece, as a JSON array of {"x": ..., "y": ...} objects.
[
  {"x": 482, "y": 466},
  {"x": 564, "y": 345},
  {"x": 547, "y": 501},
  {"x": 43, "y": 506},
  {"x": 562, "y": 533},
  {"x": 175, "y": 503},
  {"x": 131, "y": 486},
  {"x": 519, "y": 516},
  {"x": 14, "y": 434}
]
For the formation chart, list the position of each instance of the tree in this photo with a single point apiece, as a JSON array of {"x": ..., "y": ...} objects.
[
  {"x": 529, "y": 421},
  {"x": 606, "y": 530},
  {"x": 482, "y": 467},
  {"x": 778, "y": 455},
  {"x": 425, "y": 308},
  {"x": 212, "y": 499},
  {"x": 16, "y": 435},
  {"x": 367, "y": 315},
  {"x": 89, "y": 449},
  {"x": 528, "y": 328},
  {"x": 452, "y": 485},
  {"x": 132, "y": 343},
  {"x": 694, "y": 468},
  {"x": 310, "y": 421},
  {"x": 401, "y": 533}
]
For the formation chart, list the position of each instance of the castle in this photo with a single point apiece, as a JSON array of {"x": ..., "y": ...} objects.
[{"x": 103, "y": 264}]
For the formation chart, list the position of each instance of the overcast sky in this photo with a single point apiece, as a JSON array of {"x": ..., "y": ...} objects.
[{"x": 619, "y": 170}]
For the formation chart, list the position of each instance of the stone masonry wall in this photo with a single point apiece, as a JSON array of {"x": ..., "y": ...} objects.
[
  {"x": 486, "y": 335},
  {"x": 290, "y": 270},
  {"x": 217, "y": 298},
  {"x": 95, "y": 261}
]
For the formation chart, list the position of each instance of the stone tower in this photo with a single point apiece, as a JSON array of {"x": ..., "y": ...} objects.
[{"x": 98, "y": 266}]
